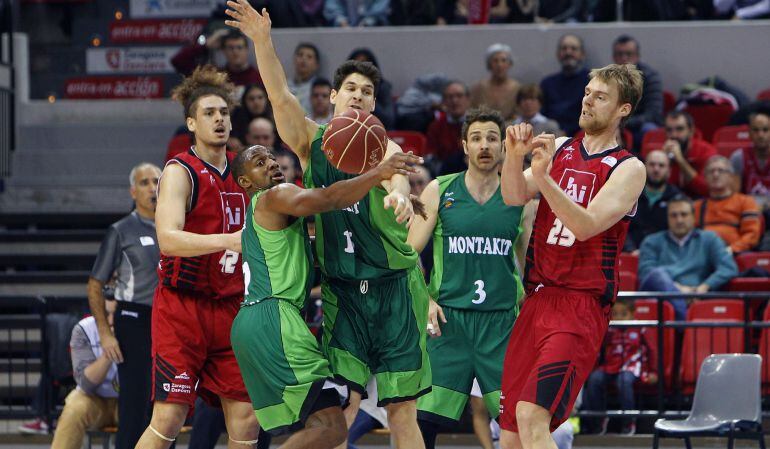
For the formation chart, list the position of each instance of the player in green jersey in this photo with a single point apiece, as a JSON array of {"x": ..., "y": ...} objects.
[
  {"x": 475, "y": 284},
  {"x": 282, "y": 367},
  {"x": 375, "y": 299}
]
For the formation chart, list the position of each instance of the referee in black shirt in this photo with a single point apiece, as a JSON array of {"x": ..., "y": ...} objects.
[{"x": 130, "y": 253}]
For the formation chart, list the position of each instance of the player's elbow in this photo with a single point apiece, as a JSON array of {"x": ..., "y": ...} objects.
[
  {"x": 166, "y": 244},
  {"x": 513, "y": 199}
]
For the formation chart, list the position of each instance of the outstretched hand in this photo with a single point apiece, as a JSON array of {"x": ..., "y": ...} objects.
[
  {"x": 250, "y": 22},
  {"x": 398, "y": 164}
]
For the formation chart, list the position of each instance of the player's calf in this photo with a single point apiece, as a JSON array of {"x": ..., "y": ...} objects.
[
  {"x": 402, "y": 420},
  {"x": 534, "y": 423},
  {"x": 324, "y": 429}
]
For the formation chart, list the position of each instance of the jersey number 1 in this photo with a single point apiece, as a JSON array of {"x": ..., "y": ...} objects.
[
  {"x": 560, "y": 235},
  {"x": 349, "y": 248}
]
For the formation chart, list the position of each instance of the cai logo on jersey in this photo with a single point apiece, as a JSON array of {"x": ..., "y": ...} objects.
[
  {"x": 578, "y": 185},
  {"x": 234, "y": 207}
]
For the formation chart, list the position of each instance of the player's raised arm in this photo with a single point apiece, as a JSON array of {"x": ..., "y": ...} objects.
[
  {"x": 516, "y": 184},
  {"x": 615, "y": 199},
  {"x": 421, "y": 230},
  {"x": 295, "y": 130},
  {"x": 174, "y": 192},
  {"x": 292, "y": 200}
]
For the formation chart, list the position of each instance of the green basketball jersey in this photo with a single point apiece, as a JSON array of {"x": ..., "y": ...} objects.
[
  {"x": 474, "y": 265},
  {"x": 363, "y": 241},
  {"x": 276, "y": 264}
]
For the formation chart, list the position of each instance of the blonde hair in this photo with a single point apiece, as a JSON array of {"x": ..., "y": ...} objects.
[{"x": 627, "y": 78}]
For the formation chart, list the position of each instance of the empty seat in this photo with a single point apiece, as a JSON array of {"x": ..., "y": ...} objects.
[
  {"x": 727, "y": 139},
  {"x": 647, "y": 309},
  {"x": 701, "y": 342},
  {"x": 764, "y": 95},
  {"x": 669, "y": 102},
  {"x": 710, "y": 117},
  {"x": 627, "y": 281},
  {"x": 413, "y": 141},
  {"x": 727, "y": 402},
  {"x": 628, "y": 262},
  {"x": 760, "y": 259}
]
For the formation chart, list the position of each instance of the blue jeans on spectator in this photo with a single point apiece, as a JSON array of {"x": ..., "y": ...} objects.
[
  {"x": 595, "y": 390},
  {"x": 658, "y": 280},
  {"x": 362, "y": 425}
]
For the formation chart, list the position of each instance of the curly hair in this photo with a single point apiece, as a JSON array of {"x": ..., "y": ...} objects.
[{"x": 205, "y": 80}]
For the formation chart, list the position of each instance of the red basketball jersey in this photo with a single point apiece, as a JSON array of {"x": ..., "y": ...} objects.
[
  {"x": 555, "y": 258},
  {"x": 217, "y": 206}
]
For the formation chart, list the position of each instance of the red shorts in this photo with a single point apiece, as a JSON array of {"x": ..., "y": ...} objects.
[
  {"x": 191, "y": 349},
  {"x": 553, "y": 348}
]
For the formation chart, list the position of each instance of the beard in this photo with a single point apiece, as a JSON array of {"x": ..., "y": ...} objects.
[
  {"x": 656, "y": 184},
  {"x": 684, "y": 144}
]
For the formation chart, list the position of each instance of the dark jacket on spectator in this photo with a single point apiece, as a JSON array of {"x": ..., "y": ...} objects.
[
  {"x": 650, "y": 218},
  {"x": 563, "y": 97},
  {"x": 190, "y": 57},
  {"x": 650, "y": 109}
]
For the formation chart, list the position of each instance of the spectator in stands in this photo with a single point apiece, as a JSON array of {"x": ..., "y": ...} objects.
[
  {"x": 563, "y": 91},
  {"x": 384, "y": 107},
  {"x": 751, "y": 163},
  {"x": 733, "y": 216},
  {"x": 321, "y": 109},
  {"x": 261, "y": 132},
  {"x": 649, "y": 113},
  {"x": 651, "y": 215},
  {"x": 683, "y": 258},
  {"x": 445, "y": 147},
  {"x": 529, "y": 101},
  {"x": 688, "y": 154},
  {"x": 499, "y": 90},
  {"x": 743, "y": 9},
  {"x": 130, "y": 252},
  {"x": 625, "y": 360},
  {"x": 94, "y": 403},
  {"x": 357, "y": 13},
  {"x": 416, "y": 108},
  {"x": 290, "y": 167},
  {"x": 458, "y": 12},
  {"x": 254, "y": 103},
  {"x": 412, "y": 12},
  {"x": 560, "y": 11},
  {"x": 307, "y": 61},
  {"x": 235, "y": 48}
]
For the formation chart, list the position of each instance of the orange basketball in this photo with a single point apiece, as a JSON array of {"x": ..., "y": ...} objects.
[{"x": 355, "y": 142}]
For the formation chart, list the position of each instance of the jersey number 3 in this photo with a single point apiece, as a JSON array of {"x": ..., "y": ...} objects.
[
  {"x": 560, "y": 235},
  {"x": 479, "y": 291}
]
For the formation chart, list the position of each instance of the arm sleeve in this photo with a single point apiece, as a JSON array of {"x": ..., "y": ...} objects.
[
  {"x": 334, "y": 12},
  {"x": 651, "y": 106},
  {"x": 750, "y": 226},
  {"x": 82, "y": 356},
  {"x": 737, "y": 160},
  {"x": 647, "y": 255},
  {"x": 108, "y": 258},
  {"x": 749, "y": 12},
  {"x": 725, "y": 268},
  {"x": 187, "y": 59}
]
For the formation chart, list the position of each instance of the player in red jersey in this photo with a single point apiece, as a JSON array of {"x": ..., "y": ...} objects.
[
  {"x": 588, "y": 187},
  {"x": 199, "y": 217}
]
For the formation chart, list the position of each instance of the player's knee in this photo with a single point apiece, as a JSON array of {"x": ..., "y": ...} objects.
[
  {"x": 531, "y": 419},
  {"x": 243, "y": 427},
  {"x": 338, "y": 431},
  {"x": 401, "y": 415},
  {"x": 168, "y": 418}
]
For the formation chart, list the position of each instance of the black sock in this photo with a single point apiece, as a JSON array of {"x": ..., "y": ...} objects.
[{"x": 429, "y": 431}]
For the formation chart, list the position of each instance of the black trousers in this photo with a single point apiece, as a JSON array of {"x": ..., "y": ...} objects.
[{"x": 133, "y": 331}]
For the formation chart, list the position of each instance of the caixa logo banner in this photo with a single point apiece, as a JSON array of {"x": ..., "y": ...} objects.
[
  {"x": 143, "y": 60},
  {"x": 142, "y": 9}
]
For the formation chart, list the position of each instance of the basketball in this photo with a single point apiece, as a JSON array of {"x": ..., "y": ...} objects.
[{"x": 355, "y": 142}]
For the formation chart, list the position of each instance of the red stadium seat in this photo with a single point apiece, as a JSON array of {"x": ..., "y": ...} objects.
[
  {"x": 413, "y": 141},
  {"x": 647, "y": 309},
  {"x": 748, "y": 260},
  {"x": 628, "y": 281},
  {"x": 628, "y": 262},
  {"x": 701, "y": 342},
  {"x": 730, "y": 138},
  {"x": 710, "y": 117},
  {"x": 669, "y": 102},
  {"x": 764, "y": 95},
  {"x": 764, "y": 351},
  {"x": 654, "y": 139}
]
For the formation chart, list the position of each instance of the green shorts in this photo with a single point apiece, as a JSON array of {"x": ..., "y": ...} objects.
[
  {"x": 377, "y": 327},
  {"x": 472, "y": 344},
  {"x": 281, "y": 364}
]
